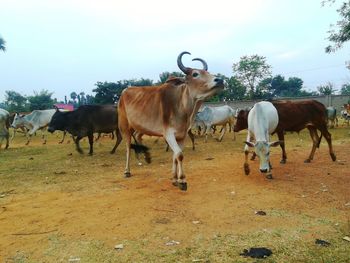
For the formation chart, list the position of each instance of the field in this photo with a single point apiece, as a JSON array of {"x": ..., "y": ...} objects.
[{"x": 59, "y": 206}]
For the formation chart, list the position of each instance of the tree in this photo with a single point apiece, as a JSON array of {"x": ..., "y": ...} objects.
[
  {"x": 278, "y": 86},
  {"x": 139, "y": 82},
  {"x": 345, "y": 89},
  {"x": 41, "y": 100},
  {"x": 73, "y": 96},
  {"x": 15, "y": 102},
  {"x": 235, "y": 90},
  {"x": 341, "y": 34},
  {"x": 165, "y": 75},
  {"x": 250, "y": 70},
  {"x": 2, "y": 44},
  {"x": 327, "y": 89},
  {"x": 109, "y": 92}
]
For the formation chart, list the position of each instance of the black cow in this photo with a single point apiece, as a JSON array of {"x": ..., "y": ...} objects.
[{"x": 85, "y": 121}]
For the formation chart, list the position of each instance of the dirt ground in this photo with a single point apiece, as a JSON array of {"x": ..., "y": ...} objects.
[{"x": 59, "y": 206}]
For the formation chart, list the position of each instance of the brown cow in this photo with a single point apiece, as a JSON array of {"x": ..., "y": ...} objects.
[
  {"x": 166, "y": 110},
  {"x": 296, "y": 116}
]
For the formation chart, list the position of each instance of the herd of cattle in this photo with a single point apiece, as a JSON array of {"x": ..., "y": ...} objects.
[{"x": 172, "y": 110}]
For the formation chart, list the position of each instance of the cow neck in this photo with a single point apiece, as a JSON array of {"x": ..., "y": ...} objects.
[{"x": 189, "y": 103}]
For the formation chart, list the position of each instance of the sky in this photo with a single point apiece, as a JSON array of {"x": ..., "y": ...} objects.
[{"x": 69, "y": 45}]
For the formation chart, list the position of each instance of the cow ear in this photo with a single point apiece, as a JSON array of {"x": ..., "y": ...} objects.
[
  {"x": 175, "y": 80},
  {"x": 250, "y": 144},
  {"x": 274, "y": 144}
]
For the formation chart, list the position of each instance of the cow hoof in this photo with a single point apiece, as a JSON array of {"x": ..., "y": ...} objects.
[
  {"x": 183, "y": 186},
  {"x": 283, "y": 161},
  {"x": 269, "y": 176},
  {"x": 307, "y": 161},
  {"x": 112, "y": 152},
  {"x": 127, "y": 174},
  {"x": 333, "y": 157},
  {"x": 175, "y": 183},
  {"x": 246, "y": 169},
  {"x": 90, "y": 154}
]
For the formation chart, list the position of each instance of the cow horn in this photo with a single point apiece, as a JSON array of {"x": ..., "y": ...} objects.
[
  {"x": 180, "y": 65},
  {"x": 205, "y": 65}
]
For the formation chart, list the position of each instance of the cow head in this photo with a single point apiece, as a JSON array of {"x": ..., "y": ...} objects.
[
  {"x": 200, "y": 82},
  {"x": 57, "y": 122},
  {"x": 18, "y": 121},
  {"x": 262, "y": 150}
]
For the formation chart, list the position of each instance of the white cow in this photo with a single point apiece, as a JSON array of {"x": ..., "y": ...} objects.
[
  {"x": 4, "y": 123},
  {"x": 262, "y": 121},
  {"x": 210, "y": 116},
  {"x": 37, "y": 119}
]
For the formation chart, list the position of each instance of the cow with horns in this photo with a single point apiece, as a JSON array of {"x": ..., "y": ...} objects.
[{"x": 167, "y": 110}]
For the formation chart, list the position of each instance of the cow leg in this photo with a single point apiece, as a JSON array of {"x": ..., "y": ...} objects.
[
  {"x": 64, "y": 136},
  {"x": 246, "y": 153},
  {"x": 43, "y": 135},
  {"x": 7, "y": 137},
  {"x": 315, "y": 141},
  {"x": 77, "y": 145},
  {"x": 179, "y": 178},
  {"x": 223, "y": 130},
  {"x": 191, "y": 135},
  {"x": 127, "y": 135},
  {"x": 328, "y": 137},
  {"x": 91, "y": 142},
  {"x": 207, "y": 129},
  {"x": 280, "y": 136},
  {"x": 119, "y": 139}
]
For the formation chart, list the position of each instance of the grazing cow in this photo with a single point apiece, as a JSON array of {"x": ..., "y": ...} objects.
[
  {"x": 332, "y": 119},
  {"x": 37, "y": 119},
  {"x": 167, "y": 110},
  {"x": 295, "y": 116},
  {"x": 210, "y": 116},
  {"x": 4, "y": 125},
  {"x": 85, "y": 121},
  {"x": 262, "y": 121}
]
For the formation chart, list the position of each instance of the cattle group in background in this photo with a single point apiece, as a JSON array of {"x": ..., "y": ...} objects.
[
  {"x": 345, "y": 113},
  {"x": 262, "y": 122},
  {"x": 167, "y": 110},
  {"x": 4, "y": 126},
  {"x": 212, "y": 116},
  {"x": 85, "y": 121},
  {"x": 37, "y": 119}
]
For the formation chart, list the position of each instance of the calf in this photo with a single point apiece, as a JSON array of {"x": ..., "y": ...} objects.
[
  {"x": 262, "y": 121},
  {"x": 85, "y": 121}
]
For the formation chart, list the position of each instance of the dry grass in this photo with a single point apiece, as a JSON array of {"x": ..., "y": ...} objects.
[{"x": 57, "y": 205}]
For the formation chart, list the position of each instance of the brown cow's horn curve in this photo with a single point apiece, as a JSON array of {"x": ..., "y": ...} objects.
[
  {"x": 180, "y": 65},
  {"x": 205, "y": 65}
]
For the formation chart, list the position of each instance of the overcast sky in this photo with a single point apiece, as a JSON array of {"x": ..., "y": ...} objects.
[{"x": 69, "y": 45}]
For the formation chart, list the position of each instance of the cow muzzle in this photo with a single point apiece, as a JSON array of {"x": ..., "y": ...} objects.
[{"x": 263, "y": 170}]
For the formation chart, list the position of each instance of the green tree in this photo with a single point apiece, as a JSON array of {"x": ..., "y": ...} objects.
[
  {"x": 139, "y": 82},
  {"x": 327, "y": 89},
  {"x": 235, "y": 90},
  {"x": 109, "y": 92},
  {"x": 2, "y": 44},
  {"x": 73, "y": 96},
  {"x": 340, "y": 33},
  {"x": 345, "y": 89},
  {"x": 250, "y": 70},
  {"x": 15, "y": 102},
  {"x": 41, "y": 100},
  {"x": 165, "y": 75}
]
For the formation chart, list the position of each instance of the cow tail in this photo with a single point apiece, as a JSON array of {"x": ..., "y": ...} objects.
[{"x": 139, "y": 148}]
